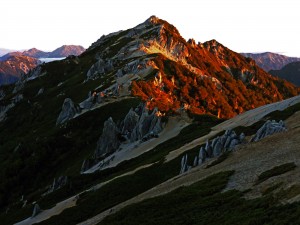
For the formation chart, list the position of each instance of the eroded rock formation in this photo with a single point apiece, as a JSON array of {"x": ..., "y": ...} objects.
[
  {"x": 269, "y": 128},
  {"x": 68, "y": 111}
]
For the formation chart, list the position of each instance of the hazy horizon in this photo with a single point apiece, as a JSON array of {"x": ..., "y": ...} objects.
[{"x": 243, "y": 26}]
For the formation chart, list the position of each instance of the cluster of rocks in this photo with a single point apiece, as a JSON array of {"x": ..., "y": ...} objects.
[
  {"x": 269, "y": 128},
  {"x": 138, "y": 125},
  {"x": 99, "y": 68},
  {"x": 70, "y": 109},
  {"x": 141, "y": 124},
  {"x": 109, "y": 141},
  {"x": 228, "y": 142},
  {"x": 214, "y": 148}
]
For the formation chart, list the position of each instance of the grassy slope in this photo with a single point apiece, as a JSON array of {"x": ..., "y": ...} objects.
[
  {"x": 204, "y": 203},
  {"x": 111, "y": 194},
  {"x": 89, "y": 206}
]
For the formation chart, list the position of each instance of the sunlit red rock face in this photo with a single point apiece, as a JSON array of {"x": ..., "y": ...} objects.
[
  {"x": 14, "y": 65},
  {"x": 203, "y": 78}
]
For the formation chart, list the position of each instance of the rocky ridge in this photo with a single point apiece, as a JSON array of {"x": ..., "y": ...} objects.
[{"x": 155, "y": 60}]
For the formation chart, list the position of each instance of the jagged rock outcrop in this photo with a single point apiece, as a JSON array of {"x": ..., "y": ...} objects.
[
  {"x": 202, "y": 155},
  {"x": 214, "y": 148},
  {"x": 148, "y": 126},
  {"x": 36, "y": 210},
  {"x": 87, "y": 104},
  {"x": 68, "y": 111},
  {"x": 58, "y": 183},
  {"x": 269, "y": 128},
  {"x": 138, "y": 125},
  {"x": 87, "y": 164},
  {"x": 130, "y": 122},
  {"x": 184, "y": 166},
  {"x": 226, "y": 142},
  {"x": 109, "y": 141},
  {"x": 41, "y": 91},
  {"x": 229, "y": 141},
  {"x": 100, "y": 67}
]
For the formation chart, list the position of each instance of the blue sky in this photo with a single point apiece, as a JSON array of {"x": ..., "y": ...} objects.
[{"x": 241, "y": 25}]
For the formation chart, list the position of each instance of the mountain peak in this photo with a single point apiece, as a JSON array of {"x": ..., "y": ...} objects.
[{"x": 153, "y": 20}]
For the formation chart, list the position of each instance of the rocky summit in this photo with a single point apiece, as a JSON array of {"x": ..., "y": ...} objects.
[{"x": 145, "y": 127}]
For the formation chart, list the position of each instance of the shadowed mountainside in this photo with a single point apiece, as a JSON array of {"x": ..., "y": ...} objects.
[{"x": 290, "y": 72}]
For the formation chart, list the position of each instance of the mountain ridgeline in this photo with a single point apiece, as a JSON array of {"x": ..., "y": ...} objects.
[
  {"x": 62, "y": 51},
  {"x": 271, "y": 61},
  {"x": 14, "y": 64},
  {"x": 290, "y": 72},
  {"x": 64, "y": 117}
]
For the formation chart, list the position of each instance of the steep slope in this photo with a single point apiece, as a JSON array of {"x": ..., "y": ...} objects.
[
  {"x": 270, "y": 61},
  {"x": 124, "y": 92},
  {"x": 203, "y": 78},
  {"x": 290, "y": 72},
  {"x": 14, "y": 65}
]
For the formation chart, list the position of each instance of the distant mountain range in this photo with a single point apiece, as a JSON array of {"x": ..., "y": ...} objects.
[
  {"x": 270, "y": 61},
  {"x": 4, "y": 51},
  {"x": 14, "y": 64},
  {"x": 285, "y": 67},
  {"x": 290, "y": 72},
  {"x": 62, "y": 51}
]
